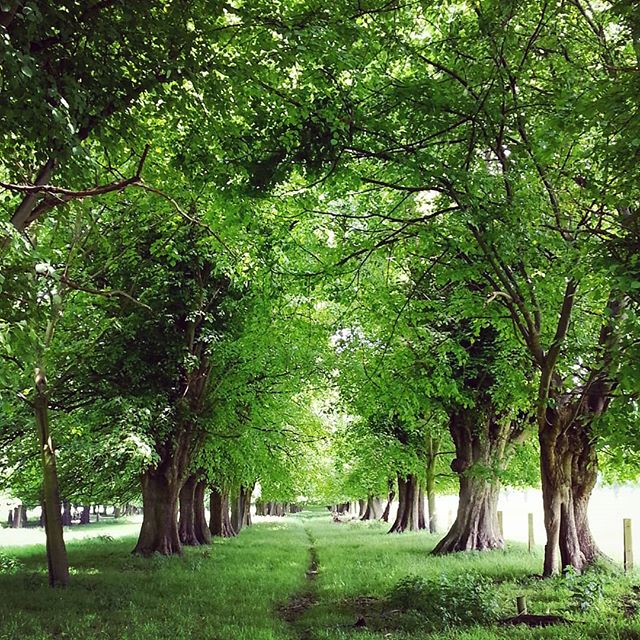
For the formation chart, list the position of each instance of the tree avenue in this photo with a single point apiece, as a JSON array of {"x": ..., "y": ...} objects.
[{"x": 258, "y": 254}]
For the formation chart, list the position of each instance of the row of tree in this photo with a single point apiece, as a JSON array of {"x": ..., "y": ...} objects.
[{"x": 343, "y": 251}]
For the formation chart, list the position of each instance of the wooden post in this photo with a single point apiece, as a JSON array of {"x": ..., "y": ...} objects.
[
  {"x": 521, "y": 605},
  {"x": 500, "y": 525},
  {"x": 628, "y": 545},
  {"x": 531, "y": 539}
]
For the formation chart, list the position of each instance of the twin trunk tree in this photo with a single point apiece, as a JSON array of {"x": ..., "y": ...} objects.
[
  {"x": 241, "y": 508},
  {"x": 220, "y": 522},
  {"x": 410, "y": 515},
  {"x": 192, "y": 526},
  {"x": 373, "y": 509}
]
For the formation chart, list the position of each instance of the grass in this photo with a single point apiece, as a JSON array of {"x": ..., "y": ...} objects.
[
  {"x": 226, "y": 591},
  {"x": 233, "y": 590}
]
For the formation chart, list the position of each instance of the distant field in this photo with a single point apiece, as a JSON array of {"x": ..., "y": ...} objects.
[{"x": 609, "y": 505}]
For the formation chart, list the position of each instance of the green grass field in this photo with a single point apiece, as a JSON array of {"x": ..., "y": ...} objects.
[{"x": 255, "y": 586}]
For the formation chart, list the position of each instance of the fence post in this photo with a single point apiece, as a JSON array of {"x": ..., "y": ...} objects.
[{"x": 628, "y": 544}]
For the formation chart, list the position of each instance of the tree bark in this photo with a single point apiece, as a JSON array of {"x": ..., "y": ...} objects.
[
  {"x": 186, "y": 525},
  {"x": 219, "y": 523},
  {"x": 85, "y": 517},
  {"x": 362, "y": 507},
  {"x": 57, "y": 561},
  {"x": 568, "y": 468},
  {"x": 159, "y": 531},
  {"x": 480, "y": 440},
  {"x": 408, "y": 511}
]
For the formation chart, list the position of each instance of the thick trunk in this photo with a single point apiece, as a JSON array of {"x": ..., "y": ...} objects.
[
  {"x": 407, "y": 518},
  {"x": 186, "y": 525},
  {"x": 160, "y": 493},
  {"x": 58, "y": 563},
  {"x": 476, "y": 524},
  {"x": 480, "y": 442},
  {"x": 117, "y": 512},
  {"x": 85, "y": 517},
  {"x": 362, "y": 507},
  {"x": 201, "y": 529},
  {"x": 159, "y": 531},
  {"x": 568, "y": 469},
  {"x": 219, "y": 523}
]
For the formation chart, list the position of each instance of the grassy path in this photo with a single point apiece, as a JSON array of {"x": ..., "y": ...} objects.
[
  {"x": 294, "y": 610},
  {"x": 299, "y": 578}
]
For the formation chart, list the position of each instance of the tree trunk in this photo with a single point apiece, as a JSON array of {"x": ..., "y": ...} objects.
[
  {"x": 480, "y": 440},
  {"x": 568, "y": 469},
  {"x": 374, "y": 508},
  {"x": 16, "y": 521},
  {"x": 362, "y": 507},
  {"x": 57, "y": 561},
  {"x": 476, "y": 524},
  {"x": 117, "y": 512},
  {"x": 186, "y": 525},
  {"x": 245, "y": 505},
  {"x": 201, "y": 529},
  {"x": 422, "y": 524},
  {"x": 390, "y": 497},
  {"x": 430, "y": 485},
  {"x": 236, "y": 512},
  {"x": 85, "y": 517},
  {"x": 159, "y": 531},
  {"x": 66, "y": 513},
  {"x": 219, "y": 523},
  {"x": 408, "y": 511}
]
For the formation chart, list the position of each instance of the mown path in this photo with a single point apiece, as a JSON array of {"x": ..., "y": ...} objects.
[{"x": 299, "y": 603}]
